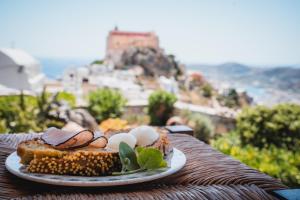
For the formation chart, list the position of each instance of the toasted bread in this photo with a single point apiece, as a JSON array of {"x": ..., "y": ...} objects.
[
  {"x": 30, "y": 149},
  {"x": 42, "y": 158}
]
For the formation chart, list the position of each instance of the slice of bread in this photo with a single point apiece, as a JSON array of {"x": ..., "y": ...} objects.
[
  {"x": 30, "y": 149},
  {"x": 87, "y": 161}
]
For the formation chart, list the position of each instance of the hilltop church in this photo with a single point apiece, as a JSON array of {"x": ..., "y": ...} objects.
[{"x": 118, "y": 41}]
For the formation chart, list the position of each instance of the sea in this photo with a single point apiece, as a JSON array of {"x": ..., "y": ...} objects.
[{"x": 54, "y": 68}]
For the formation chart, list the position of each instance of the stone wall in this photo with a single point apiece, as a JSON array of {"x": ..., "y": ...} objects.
[{"x": 222, "y": 124}]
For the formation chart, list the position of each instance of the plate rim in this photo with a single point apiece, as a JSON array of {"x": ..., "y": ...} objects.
[{"x": 82, "y": 183}]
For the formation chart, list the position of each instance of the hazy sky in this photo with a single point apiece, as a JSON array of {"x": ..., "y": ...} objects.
[{"x": 213, "y": 31}]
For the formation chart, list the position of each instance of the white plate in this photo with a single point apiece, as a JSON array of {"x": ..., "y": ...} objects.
[{"x": 175, "y": 162}]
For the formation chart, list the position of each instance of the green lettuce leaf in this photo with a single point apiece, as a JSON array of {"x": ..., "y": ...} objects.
[{"x": 150, "y": 158}]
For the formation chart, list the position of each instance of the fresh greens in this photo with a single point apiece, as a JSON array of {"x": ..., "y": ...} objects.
[
  {"x": 150, "y": 158},
  {"x": 128, "y": 157},
  {"x": 139, "y": 160}
]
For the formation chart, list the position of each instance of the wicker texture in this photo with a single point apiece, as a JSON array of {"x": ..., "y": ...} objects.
[{"x": 208, "y": 174}]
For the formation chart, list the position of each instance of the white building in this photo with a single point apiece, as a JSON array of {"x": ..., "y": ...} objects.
[
  {"x": 19, "y": 70},
  {"x": 168, "y": 84},
  {"x": 73, "y": 78}
]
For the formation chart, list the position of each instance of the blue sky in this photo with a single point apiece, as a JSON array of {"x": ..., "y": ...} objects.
[{"x": 259, "y": 32}]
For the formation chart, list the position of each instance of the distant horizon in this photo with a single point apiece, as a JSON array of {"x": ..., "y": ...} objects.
[
  {"x": 55, "y": 68},
  {"x": 91, "y": 59}
]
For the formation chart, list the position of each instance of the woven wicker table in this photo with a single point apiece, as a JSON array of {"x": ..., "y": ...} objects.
[{"x": 208, "y": 174}]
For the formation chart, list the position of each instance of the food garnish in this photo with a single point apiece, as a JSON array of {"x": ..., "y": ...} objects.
[{"x": 140, "y": 159}]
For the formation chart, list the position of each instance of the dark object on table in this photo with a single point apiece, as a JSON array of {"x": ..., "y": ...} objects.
[
  {"x": 180, "y": 129},
  {"x": 289, "y": 194}
]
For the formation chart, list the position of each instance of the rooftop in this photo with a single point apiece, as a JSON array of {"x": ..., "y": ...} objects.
[
  {"x": 19, "y": 56},
  {"x": 131, "y": 34}
]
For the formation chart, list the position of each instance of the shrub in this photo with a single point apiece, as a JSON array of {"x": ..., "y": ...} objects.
[
  {"x": 68, "y": 97},
  {"x": 17, "y": 113},
  {"x": 203, "y": 127},
  {"x": 278, "y": 126},
  {"x": 47, "y": 114},
  {"x": 22, "y": 113},
  {"x": 106, "y": 103},
  {"x": 230, "y": 99},
  {"x": 277, "y": 162},
  {"x": 160, "y": 107},
  {"x": 207, "y": 90},
  {"x": 97, "y": 62},
  {"x": 3, "y": 127}
]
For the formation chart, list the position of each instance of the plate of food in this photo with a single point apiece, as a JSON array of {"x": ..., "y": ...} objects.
[{"x": 87, "y": 158}]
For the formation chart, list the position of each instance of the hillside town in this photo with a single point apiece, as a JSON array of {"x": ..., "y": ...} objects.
[{"x": 134, "y": 63}]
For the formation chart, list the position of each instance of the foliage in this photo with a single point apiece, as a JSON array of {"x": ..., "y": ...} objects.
[
  {"x": 203, "y": 127},
  {"x": 23, "y": 113},
  {"x": 106, "y": 103},
  {"x": 278, "y": 126},
  {"x": 160, "y": 107},
  {"x": 277, "y": 162},
  {"x": 207, "y": 90},
  {"x": 67, "y": 97},
  {"x": 17, "y": 113},
  {"x": 128, "y": 157},
  {"x": 47, "y": 111},
  {"x": 140, "y": 159},
  {"x": 267, "y": 139},
  {"x": 150, "y": 158},
  {"x": 3, "y": 127},
  {"x": 97, "y": 62},
  {"x": 230, "y": 99}
]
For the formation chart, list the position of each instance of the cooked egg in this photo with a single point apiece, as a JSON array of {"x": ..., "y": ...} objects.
[
  {"x": 115, "y": 140},
  {"x": 145, "y": 135}
]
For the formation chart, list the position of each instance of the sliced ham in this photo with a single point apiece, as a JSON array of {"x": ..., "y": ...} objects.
[
  {"x": 61, "y": 139},
  {"x": 99, "y": 140}
]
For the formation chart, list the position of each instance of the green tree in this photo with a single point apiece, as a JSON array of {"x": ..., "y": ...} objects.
[
  {"x": 47, "y": 114},
  {"x": 97, "y": 62},
  {"x": 160, "y": 107},
  {"x": 67, "y": 97},
  {"x": 230, "y": 99},
  {"x": 277, "y": 162},
  {"x": 23, "y": 113},
  {"x": 106, "y": 103},
  {"x": 207, "y": 90},
  {"x": 262, "y": 126},
  {"x": 17, "y": 114}
]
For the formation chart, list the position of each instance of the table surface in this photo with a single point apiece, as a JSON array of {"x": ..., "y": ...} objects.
[{"x": 208, "y": 174}]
